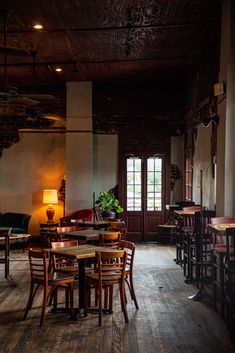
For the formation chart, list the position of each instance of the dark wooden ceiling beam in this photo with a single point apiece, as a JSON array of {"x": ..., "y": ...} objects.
[
  {"x": 74, "y": 62},
  {"x": 88, "y": 29}
]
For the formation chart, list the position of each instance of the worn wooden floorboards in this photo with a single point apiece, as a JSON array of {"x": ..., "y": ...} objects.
[{"x": 167, "y": 321}]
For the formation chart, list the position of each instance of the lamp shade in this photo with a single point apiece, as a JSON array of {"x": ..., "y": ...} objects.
[{"x": 50, "y": 196}]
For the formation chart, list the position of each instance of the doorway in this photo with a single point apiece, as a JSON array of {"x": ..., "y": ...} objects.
[
  {"x": 144, "y": 195},
  {"x": 144, "y": 183}
]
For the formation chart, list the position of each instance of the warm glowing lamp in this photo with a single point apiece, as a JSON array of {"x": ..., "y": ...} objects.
[{"x": 50, "y": 197}]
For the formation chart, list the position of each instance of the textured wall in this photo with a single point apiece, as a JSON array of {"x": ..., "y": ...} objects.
[
  {"x": 202, "y": 161},
  {"x": 37, "y": 162},
  {"x": 105, "y": 162}
]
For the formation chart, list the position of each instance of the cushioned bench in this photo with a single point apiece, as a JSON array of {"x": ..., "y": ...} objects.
[{"x": 19, "y": 222}]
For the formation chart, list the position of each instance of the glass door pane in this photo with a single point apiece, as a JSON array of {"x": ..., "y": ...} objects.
[
  {"x": 154, "y": 184},
  {"x": 134, "y": 184}
]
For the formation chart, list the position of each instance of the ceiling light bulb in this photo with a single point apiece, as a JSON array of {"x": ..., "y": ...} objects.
[
  {"x": 58, "y": 69},
  {"x": 38, "y": 26}
]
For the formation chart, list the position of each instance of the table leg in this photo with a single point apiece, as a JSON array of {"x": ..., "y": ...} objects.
[
  {"x": 79, "y": 312},
  {"x": 7, "y": 249}
]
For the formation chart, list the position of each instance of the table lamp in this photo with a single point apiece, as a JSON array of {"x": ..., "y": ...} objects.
[{"x": 50, "y": 197}]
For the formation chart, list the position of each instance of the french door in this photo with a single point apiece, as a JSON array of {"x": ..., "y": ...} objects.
[{"x": 144, "y": 195}]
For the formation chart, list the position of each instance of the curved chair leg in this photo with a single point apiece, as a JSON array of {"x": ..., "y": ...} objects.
[
  {"x": 44, "y": 305},
  {"x": 123, "y": 301},
  {"x": 133, "y": 293},
  {"x": 30, "y": 300},
  {"x": 110, "y": 299},
  {"x": 100, "y": 305}
]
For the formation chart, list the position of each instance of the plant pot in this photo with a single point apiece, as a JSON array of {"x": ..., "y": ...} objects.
[{"x": 109, "y": 214}]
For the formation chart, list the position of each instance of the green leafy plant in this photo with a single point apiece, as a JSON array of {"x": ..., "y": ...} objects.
[{"x": 108, "y": 202}]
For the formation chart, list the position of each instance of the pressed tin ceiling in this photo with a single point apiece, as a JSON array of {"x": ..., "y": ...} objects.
[{"x": 108, "y": 40}]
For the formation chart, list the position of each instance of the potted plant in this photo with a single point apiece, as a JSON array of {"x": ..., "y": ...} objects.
[{"x": 109, "y": 204}]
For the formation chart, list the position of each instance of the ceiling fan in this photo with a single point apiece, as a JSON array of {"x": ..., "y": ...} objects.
[{"x": 10, "y": 98}]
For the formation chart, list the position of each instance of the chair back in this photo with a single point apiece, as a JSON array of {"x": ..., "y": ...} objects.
[
  {"x": 111, "y": 266},
  {"x": 59, "y": 262},
  {"x": 109, "y": 239},
  {"x": 202, "y": 219},
  {"x": 129, "y": 247},
  {"x": 220, "y": 220},
  {"x": 122, "y": 230},
  {"x": 63, "y": 244},
  {"x": 38, "y": 266}
]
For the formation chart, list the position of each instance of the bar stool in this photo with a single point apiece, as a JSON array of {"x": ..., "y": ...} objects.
[
  {"x": 218, "y": 254},
  {"x": 229, "y": 276}
]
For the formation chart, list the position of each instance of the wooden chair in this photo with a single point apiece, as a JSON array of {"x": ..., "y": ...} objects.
[
  {"x": 218, "y": 254},
  {"x": 111, "y": 271},
  {"x": 62, "y": 230},
  {"x": 116, "y": 228},
  {"x": 130, "y": 249},
  {"x": 229, "y": 276},
  {"x": 110, "y": 239},
  {"x": 40, "y": 277},
  {"x": 61, "y": 264}
]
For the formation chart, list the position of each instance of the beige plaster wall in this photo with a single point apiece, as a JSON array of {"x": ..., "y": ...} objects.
[
  {"x": 79, "y": 147},
  {"x": 177, "y": 158},
  {"x": 105, "y": 162},
  {"x": 37, "y": 162},
  {"x": 202, "y": 161}
]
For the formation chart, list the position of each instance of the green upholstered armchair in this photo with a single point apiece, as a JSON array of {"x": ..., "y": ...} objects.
[{"x": 19, "y": 222}]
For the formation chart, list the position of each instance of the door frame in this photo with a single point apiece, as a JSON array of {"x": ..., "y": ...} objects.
[{"x": 144, "y": 142}]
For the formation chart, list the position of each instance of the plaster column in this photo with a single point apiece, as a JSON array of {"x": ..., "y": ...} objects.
[
  {"x": 79, "y": 147},
  {"x": 229, "y": 185}
]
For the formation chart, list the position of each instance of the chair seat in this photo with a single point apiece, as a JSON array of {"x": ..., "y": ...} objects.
[
  {"x": 94, "y": 276},
  {"x": 57, "y": 276},
  {"x": 72, "y": 270}
]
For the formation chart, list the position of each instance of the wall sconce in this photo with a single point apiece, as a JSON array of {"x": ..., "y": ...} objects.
[{"x": 50, "y": 197}]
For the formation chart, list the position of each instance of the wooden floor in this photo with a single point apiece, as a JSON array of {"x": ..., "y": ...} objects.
[{"x": 167, "y": 321}]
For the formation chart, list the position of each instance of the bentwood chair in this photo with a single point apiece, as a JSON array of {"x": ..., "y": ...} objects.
[
  {"x": 40, "y": 277},
  {"x": 111, "y": 271},
  {"x": 130, "y": 249}
]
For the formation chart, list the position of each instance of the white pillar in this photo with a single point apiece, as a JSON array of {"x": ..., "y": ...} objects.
[
  {"x": 229, "y": 185},
  {"x": 79, "y": 147}
]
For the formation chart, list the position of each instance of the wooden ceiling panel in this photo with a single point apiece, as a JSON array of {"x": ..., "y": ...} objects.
[
  {"x": 111, "y": 41},
  {"x": 25, "y": 13}
]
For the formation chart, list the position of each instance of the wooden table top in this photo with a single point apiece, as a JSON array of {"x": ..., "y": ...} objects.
[
  {"x": 4, "y": 229},
  {"x": 88, "y": 234},
  {"x": 186, "y": 213},
  {"x": 91, "y": 223},
  {"x": 220, "y": 229},
  {"x": 80, "y": 252},
  {"x": 14, "y": 237}
]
